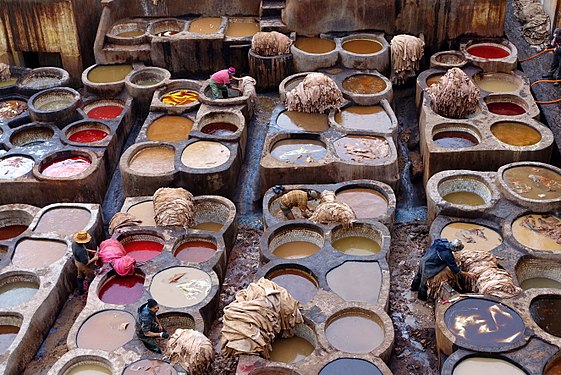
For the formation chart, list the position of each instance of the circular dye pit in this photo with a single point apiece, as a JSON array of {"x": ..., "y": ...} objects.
[
  {"x": 122, "y": 290},
  {"x": 88, "y": 368},
  {"x": 211, "y": 226},
  {"x": 485, "y": 365},
  {"x": 497, "y": 83},
  {"x": 145, "y": 212},
  {"x": 109, "y": 73},
  {"x": 353, "y": 366},
  {"x": 371, "y": 118},
  {"x": 149, "y": 367},
  {"x": 432, "y": 79},
  {"x": 195, "y": 251},
  {"x": 300, "y": 284},
  {"x": 143, "y": 250},
  {"x": 488, "y": 51},
  {"x": 15, "y": 293},
  {"x": 312, "y": 122},
  {"x": 296, "y": 250},
  {"x": 361, "y": 148},
  {"x": 56, "y": 103},
  {"x": 533, "y": 182},
  {"x": 31, "y": 253},
  {"x": 290, "y": 350},
  {"x": 205, "y": 154},
  {"x": 88, "y": 135},
  {"x": 180, "y": 286},
  {"x": 205, "y": 25},
  {"x": 465, "y": 190},
  {"x": 534, "y": 230},
  {"x": 540, "y": 282},
  {"x": 356, "y": 281},
  {"x": 8, "y": 334},
  {"x": 240, "y": 29},
  {"x": 298, "y": 151},
  {"x": 10, "y": 109},
  {"x": 179, "y": 97},
  {"x": 104, "y": 110},
  {"x": 466, "y": 198},
  {"x": 545, "y": 312},
  {"x": 364, "y": 84},
  {"x": 8, "y": 82},
  {"x": 66, "y": 166},
  {"x": 153, "y": 160},
  {"x": 63, "y": 220},
  {"x": 553, "y": 368},
  {"x": 362, "y": 46},
  {"x": 169, "y": 129},
  {"x": 515, "y": 133},
  {"x": 32, "y": 136},
  {"x": 220, "y": 129},
  {"x": 505, "y": 108},
  {"x": 473, "y": 236},
  {"x": 454, "y": 139},
  {"x": 354, "y": 332},
  {"x": 11, "y": 231},
  {"x": 366, "y": 203},
  {"x": 106, "y": 330},
  {"x": 357, "y": 245},
  {"x": 15, "y": 166},
  {"x": 293, "y": 83},
  {"x": 130, "y": 34},
  {"x": 314, "y": 45},
  {"x": 482, "y": 324}
]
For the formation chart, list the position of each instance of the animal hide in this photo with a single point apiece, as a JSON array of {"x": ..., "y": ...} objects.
[
  {"x": 330, "y": 210},
  {"x": 174, "y": 207},
  {"x": 535, "y": 23},
  {"x": 455, "y": 95},
  {"x": 191, "y": 349},
  {"x": 317, "y": 93},
  {"x": 122, "y": 220},
  {"x": 270, "y": 43},
  {"x": 406, "y": 54}
]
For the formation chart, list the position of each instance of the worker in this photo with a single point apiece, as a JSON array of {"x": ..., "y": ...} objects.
[
  {"x": 220, "y": 81},
  {"x": 148, "y": 326},
  {"x": 555, "y": 43},
  {"x": 295, "y": 198},
  {"x": 82, "y": 259},
  {"x": 435, "y": 259}
]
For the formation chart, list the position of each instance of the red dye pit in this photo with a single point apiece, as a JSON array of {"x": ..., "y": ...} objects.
[
  {"x": 488, "y": 52},
  {"x": 88, "y": 136},
  {"x": 105, "y": 112},
  {"x": 195, "y": 251},
  {"x": 11, "y": 231},
  {"x": 505, "y": 108},
  {"x": 143, "y": 250},
  {"x": 66, "y": 167},
  {"x": 122, "y": 290},
  {"x": 220, "y": 128}
]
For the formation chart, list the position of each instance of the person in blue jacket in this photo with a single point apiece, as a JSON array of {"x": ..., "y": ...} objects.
[{"x": 435, "y": 259}]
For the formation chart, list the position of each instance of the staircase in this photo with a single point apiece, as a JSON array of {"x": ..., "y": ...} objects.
[{"x": 270, "y": 16}]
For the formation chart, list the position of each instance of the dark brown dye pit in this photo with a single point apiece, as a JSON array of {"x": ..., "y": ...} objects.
[
  {"x": 454, "y": 139},
  {"x": 364, "y": 84},
  {"x": 220, "y": 128},
  {"x": 505, "y": 108},
  {"x": 545, "y": 312},
  {"x": 354, "y": 366},
  {"x": 298, "y": 283},
  {"x": 11, "y": 231}
]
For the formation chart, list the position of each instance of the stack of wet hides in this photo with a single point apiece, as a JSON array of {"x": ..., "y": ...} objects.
[
  {"x": 191, "y": 349},
  {"x": 122, "y": 220},
  {"x": 270, "y": 43},
  {"x": 315, "y": 94},
  {"x": 174, "y": 207},
  {"x": 455, "y": 95},
  {"x": 534, "y": 21},
  {"x": 406, "y": 54},
  {"x": 330, "y": 210}
]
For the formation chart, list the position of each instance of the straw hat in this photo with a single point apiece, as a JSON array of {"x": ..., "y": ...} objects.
[{"x": 82, "y": 237}]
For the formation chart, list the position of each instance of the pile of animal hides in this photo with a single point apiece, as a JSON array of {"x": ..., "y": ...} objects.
[
  {"x": 454, "y": 95},
  {"x": 534, "y": 21},
  {"x": 247, "y": 85},
  {"x": 406, "y": 54},
  {"x": 331, "y": 210},
  {"x": 257, "y": 315},
  {"x": 123, "y": 220},
  {"x": 270, "y": 43},
  {"x": 315, "y": 94},
  {"x": 191, "y": 349},
  {"x": 174, "y": 207},
  {"x": 4, "y": 72}
]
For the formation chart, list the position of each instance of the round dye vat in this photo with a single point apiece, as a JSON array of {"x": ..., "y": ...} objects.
[
  {"x": 366, "y": 203},
  {"x": 167, "y": 33},
  {"x": 150, "y": 367},
  {"x": 66, "y": 166},
  {"x": 15, "y": 166},
  {"x": 88, "y": 136},
  {"x": 122, "y": 290},
  {"x": 480, "y": 323},
  {"x": 313, "y": 122},
  {"x": 314, "y": 45},
  {"x": 143, "y": 250},
  {"x": 17, "y": 292},
  {"x": 533, "y": 182},
  {"x": 356, "y": 281},
  {"x": 290, "y": 350},
  {"x": 195, "y": 251},
  {"x": 88, "y": 369},
  {"x": 180, "y": 286},
  {"x": 484, "y": 365},
  {"x": 298, "y": 151},
  {"x": 55, "y": 105},
  {"x": 364, "y": 84},
  {"x": 299, "y": 284},
  {"x": 362, "y": 46},
  {"x": 38, "y": 253},
  {"x": 220, "y": 129},
  {"x": 179, "y": 97},
  {"x": 106, "y": 330},
  {"x": 9, "y": 82},
  {"x": 505, "y": 108},
  {"x": 63, "y": 220},
  {"x": 361, "y": 148},
  {"x": 371, "y": 118},
  {"x": 515, "y": 133},
  {"x": 205, "y": 25},
  {"x": 435, "y": 78},
  {"x": 353, "y": 366},
  {"x": 545, "y": 312},
  {"x": 11, "y": 231},
  {"x": 210, "y": 226},
  {"x": 540, "y": 282},
  {"x": 109, "y": 73},
  {"x": 466, "y": 198},
  {"x": 533, "y": 231},
  {"x": 130, "y": 34},
  {"x": 205, "y": 154},
  {"x": 554, "y": 368},
  {"x": 7, "y": 336},
  {"x": 496, "y": 84},
  {"x": 473, "y": 236},
  {"x": 354, "y": 333},
  {"x": 296, "y": 250},
  {"x": 153, "y": 160},
  {"x": 105, "y": 112},
  {"x": 12, "y": 108},
  {"x": 454, "y": 139},
  {"x": 147, "y": 82},
  {"x": 241, "y": 29},
  {"x": 169, "y": 129},
  {"x": 145, "y": 212},
  {"x": 486, "y": 51},
  {"x": 357, "y": 245}
]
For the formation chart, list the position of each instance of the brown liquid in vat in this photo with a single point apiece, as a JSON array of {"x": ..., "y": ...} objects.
[
  {"x": 241, "y": 29},
  {"x": 466, "y": 198},
  {"x": 145, "y": 212},
  {"x": 516, "y": 133},
  {"x": 357, "y": 245},
  {"x": 109, "y": 73},
  {"x": 7, "y": 336},
  {"x": 526, "y": 230},
  {"x": 153, "y": 160},
  {"x": 11, "y": 231},
  {"x": 65, "y": 221},
  {"x": 361, "y": 148},
  {"x": 130, "y": 34},
  {"x": 290, "y": 350},
  {"x": 299, "y": 284},
  {"x": 190, "y": 289},
  {"x": 473, "y": 236},
  {"x": 298, "y": 151},
  {"x": 106, "y": 330},
  {"x": 205, "y": 25},
  {"x": 210, "y": 226},
  {"x": 314, "y": 45},
  {"x": 150, "y": 367},
  {"x": 540, "y": 282},
  {"x": 38, "y": 253},
  {"x": 554, "y": 368},
  {"x": 296, "y": 250},
  {"x": 366, "y": 203},
  {"x": 205, "y": 154},
  {"x": 356, "y": 281},
  {"x": 364, "y": 84},
  {"x": 545, "y": 312},
  {"x": 313, "y": 122},
  {"x": 533, "y": 182},
  {"x": 454, "y": 139},
  {"x": 89, "y": 369},
  {"x": 169, "y": 129},
  {"x": 354, "y": 333},
  {"x": 431, "y": 80},
  {"x": 362, "y": 46},
  {"x": 372, "y": 118}
]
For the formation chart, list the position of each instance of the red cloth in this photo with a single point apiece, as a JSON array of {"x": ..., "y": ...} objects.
[
  {"x": 124, "y": 266},
  {"x": 221, "y": 77},
  {"x": 110, "y": 250}
]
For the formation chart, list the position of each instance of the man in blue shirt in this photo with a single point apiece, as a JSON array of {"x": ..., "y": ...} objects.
[
  {"x": 82, "y": 259},
  {"x": 555, "y": 43},
  {"x": 148, "y": 326}
]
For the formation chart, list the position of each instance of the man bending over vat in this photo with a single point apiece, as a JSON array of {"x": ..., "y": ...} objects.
[
  {"x": 148, "y": 327},
  {"x": 220, "y": 81},
  {"x": 82, "y": 259},
  {"x": 295, "y": 198},
  {"x": 435, "y": 260},
  {"x": 554, "y": 72}
]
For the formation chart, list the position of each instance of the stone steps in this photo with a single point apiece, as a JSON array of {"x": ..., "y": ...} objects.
[
  {"x": 270, "y": 8},
  {"x": 272, "y": 24}
]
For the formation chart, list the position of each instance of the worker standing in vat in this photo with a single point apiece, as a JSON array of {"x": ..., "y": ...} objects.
[
  {"x": 220, "y": 81},
  {"x": 82, "y": 259},
  {"x": 295, "y": 198},
  {"x": 554, "y": 72},
  {"x": 434, "y": 260},
  {"x": 148, "y": 327}
]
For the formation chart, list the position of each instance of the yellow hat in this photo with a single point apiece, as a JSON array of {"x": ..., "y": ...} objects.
[{"x": 82, "y": 237}]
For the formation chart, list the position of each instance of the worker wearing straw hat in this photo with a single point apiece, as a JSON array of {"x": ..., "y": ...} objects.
[
  {"x": 82, "y": 258},
  {"x": 220, "y": 81}
]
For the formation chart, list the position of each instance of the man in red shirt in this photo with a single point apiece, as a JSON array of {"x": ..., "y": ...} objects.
[{"x": 220, "y": 81}]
